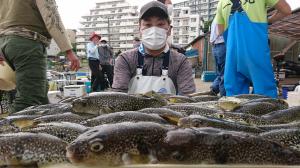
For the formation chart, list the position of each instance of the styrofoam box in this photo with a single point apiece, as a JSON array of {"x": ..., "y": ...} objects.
[
  {"x": 293, "y": 99},
  {"x": 74, "y": 91}
]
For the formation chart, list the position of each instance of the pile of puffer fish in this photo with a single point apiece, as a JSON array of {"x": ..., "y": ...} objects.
[{"x": 113, "y": 129}]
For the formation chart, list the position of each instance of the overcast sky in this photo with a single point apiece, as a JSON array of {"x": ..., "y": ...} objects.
[{"x": 72, "y": 10}]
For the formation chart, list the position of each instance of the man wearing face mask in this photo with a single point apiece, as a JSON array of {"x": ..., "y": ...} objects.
[
  {"x": 105, "y": 58},
  {"x": 153, "y": 66},
  {"x": 169, "y": 5}
]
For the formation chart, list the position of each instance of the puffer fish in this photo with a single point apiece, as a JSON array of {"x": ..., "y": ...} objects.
[
  {"x": 63, "y": 130},
  {"x": 206, "y": 98},
  {"x": 230, "y": 103},
  {"x": 279, "y": 103},
  {"x": 208, "y": 104},
  {"x": 192, "y": 110},
  {"x": 190, "y": 146},
  {"x": 287, "y": 137},
  {"x": 20, "y": 122},
  {"x": 256, "y": 108},
  {"x": 180, "y": 99},
  {"x": 26, "y": 149},
  {"x": 284, "y": 116},
  {"x": 243, "y": 118},
  {"x": 30, "y": 112},
  {"x": 52, "y": 109},
  {"x": 108, "y": 102},
  {"x": 250, "y": 96},
  {"x": 68, "y": 100},
  {"x": 65, "y": 117},
  {"x": 204, "y": 93},
  {"x": 167, "y": 114},
  {"x": 292, "y": 125},
  {"x": 201, "y": 121},
  {"x": 126, "y": 116},
  {"x": 117, "y": 144},
  {"x": 4, "y": 129}
]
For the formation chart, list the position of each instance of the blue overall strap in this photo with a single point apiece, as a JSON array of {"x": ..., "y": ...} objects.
[
  {"x": 166, "y": 61},
  {"x": 236, "y": 6},
  {"x": 165, "y": 65}
]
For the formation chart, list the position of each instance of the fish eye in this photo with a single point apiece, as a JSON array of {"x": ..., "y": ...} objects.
[
  {"x": 221, "y": 115},
  {"x": 177, "y": 156},
  {"x": 96, "y": 147},
  {"x": 84, "y": 104},
  {"x": 196, "y": 123}
]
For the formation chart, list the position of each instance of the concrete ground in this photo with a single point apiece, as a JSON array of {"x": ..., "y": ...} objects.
[{"x": 202, "y": 86}]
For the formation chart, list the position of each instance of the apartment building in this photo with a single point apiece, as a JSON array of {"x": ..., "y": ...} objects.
[
  {"x": 53, "y": 48},
  {"x": 205, "y": 8},
  {"x": 186, "y": 26},
  {"x": 115, "y": 20}
]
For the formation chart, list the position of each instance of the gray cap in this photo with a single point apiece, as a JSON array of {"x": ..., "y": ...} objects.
[{"x": 155, "y": 6}]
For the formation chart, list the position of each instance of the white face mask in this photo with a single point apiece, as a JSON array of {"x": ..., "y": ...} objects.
[
  {"x": 154, "y": 38},
  {"x": 170, "y": 9}
]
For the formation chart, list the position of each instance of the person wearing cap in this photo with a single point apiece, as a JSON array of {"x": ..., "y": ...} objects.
[
  {"x": 153, "y": 66},
  {"x": 26, "y": 29},
  {"x": 106, "y": 59},
  {"x": 245, "y": 27},
  {"x": 94, "y": 63}
]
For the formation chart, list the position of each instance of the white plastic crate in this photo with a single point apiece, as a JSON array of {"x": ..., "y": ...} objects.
[
  {"x": 74, "y": 91},
  {"x": 293, "y": 98}
]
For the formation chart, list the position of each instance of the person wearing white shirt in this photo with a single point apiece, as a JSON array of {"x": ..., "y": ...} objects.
[{"x": 219, "y": 52}]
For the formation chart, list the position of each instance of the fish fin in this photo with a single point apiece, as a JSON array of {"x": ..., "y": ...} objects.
[
  {"x": 106, "y": 110},
  {"x": 126, "y": 159},
  {"x": 4, "y": 115},
  {"x": 171, "y": 120},
  {"x": 149, "y": 94},
  {"x": 152, "y": 157}
]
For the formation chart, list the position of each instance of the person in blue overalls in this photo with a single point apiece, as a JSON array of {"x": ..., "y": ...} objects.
[{"x": 245, "y": 27}]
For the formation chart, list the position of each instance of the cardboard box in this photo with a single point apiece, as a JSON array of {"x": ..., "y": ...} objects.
[{"x": 74, "y": 91}]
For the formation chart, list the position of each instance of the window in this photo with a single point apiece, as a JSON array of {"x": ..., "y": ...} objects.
[
  {"x": 193, "y": 29},
  {"x": 193, "y": 20}
]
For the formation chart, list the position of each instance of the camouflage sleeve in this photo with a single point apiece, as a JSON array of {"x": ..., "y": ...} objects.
[
  {"x": 185, "y": 81},
  {"x": 122, "y": 75},
  {"x": 52, "y": 20}
]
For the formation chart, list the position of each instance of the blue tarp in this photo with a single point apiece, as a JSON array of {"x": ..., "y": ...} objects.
[{"x": 192, "y": 53}]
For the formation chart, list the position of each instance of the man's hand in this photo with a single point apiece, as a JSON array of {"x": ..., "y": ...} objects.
[
  {"x": 75, "y": 64},
  {"x": 283, "y": 10},
  {"x": 2, "y": 60}
]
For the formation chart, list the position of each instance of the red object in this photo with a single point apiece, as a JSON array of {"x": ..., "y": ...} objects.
[{"x": 94, "y": 34}]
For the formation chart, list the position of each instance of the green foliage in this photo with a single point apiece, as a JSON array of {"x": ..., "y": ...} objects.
[{"x": 207, "y": 25}]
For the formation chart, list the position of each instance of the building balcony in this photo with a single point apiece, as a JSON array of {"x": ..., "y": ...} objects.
[
  {"x": 80, "y": 40},
  {"x": 126, "y": 38},
  {"x": 101, "y": 25},
  {"x": 80, "y": 47},
  {"x": 81, "y": 54},
  {"x": 126, "y": 45},
  {"x": 184, "y": 33},
  {"x": 126, "y": 30},
  {"x": 80, "y": 33}
]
